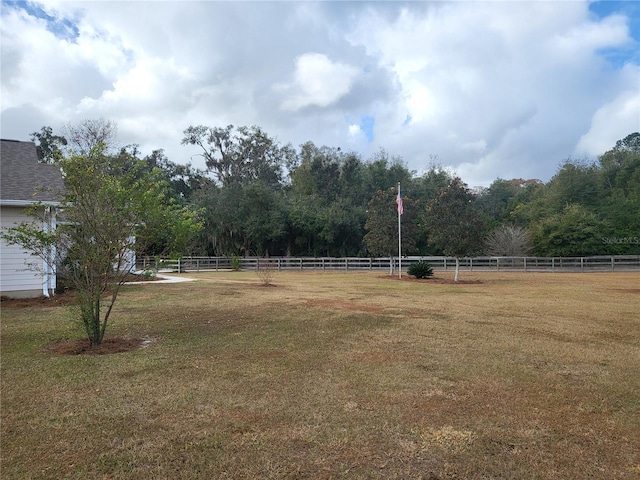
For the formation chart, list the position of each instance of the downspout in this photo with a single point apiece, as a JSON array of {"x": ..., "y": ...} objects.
[
  {"x": 53, "y": 277},
  {"x": 45, "y": 261},
  {"x": 49, "y": 277}
]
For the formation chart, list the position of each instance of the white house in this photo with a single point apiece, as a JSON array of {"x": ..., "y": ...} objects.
[{"x": 24, "y": 181}]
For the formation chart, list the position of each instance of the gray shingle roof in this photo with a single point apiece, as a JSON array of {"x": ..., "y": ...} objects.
[{"x": 23, "y": 178}]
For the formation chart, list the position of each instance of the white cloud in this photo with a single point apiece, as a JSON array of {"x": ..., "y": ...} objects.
[
  {"x": 355, "y": 131},
  {"x": 521, "y": 81},
  {"x": 317, "y": 81},
  {"x": 494, "y": 89},
  {"x": 611, "y": 122}
]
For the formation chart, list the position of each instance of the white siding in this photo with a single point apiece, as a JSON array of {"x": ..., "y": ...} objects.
[{"x": 15, "y": 274}]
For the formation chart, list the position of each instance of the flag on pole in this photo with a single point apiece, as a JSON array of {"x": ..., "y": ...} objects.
[{"x": 400, "y": 212}]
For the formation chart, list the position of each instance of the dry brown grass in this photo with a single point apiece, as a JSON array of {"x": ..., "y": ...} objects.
[{"x": 335, "y": 375}]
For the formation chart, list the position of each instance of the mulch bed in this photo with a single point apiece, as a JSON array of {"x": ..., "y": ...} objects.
[
  {"x": 60, "y": 300},
  {"x": 110, "y": 345}
]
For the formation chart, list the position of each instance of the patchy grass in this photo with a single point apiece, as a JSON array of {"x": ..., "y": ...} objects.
[{"x": 334, "y": 375}]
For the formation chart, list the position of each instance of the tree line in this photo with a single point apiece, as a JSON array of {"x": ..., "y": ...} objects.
[{"x": 259, "y": 197}]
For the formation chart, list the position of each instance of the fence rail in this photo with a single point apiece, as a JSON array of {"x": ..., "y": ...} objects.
[{"x": 552, "y": 264}]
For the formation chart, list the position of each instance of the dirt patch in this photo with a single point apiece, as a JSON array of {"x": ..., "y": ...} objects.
[
  {"x": 635, "y": 291},
  {"x": 438, "y": 280},
  {"x": 350, "y": 306},
  {"x": 81, "y": 346}
]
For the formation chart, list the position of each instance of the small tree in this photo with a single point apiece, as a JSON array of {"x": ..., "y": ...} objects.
[
  {"x": 508, "y": 241},
  {"x": 453, "y": 223},
  {"x": 266, "y": 270},
  {"x": 103, "y": 217}
]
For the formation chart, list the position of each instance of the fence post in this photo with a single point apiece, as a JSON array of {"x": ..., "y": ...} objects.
[
  {"x": 445, "y": 264},
  {"x": 581, "y": 264},
  {"x": 525, "y": 264},
  {"x": 613, "y": 263}
]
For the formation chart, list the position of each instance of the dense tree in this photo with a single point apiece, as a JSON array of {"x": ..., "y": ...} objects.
[
  {"x": 307, "y": 220},
  {"x": 322, "y": 206},
  {"x": 184, "y": 180},
  {"x": 575, "y": 231},
  {"x": 383, "y": 171},
  {"x": 620, "y": 185},
  {"x": 453, "y": 222},
  {"x": 499, "y": 200},
  {"x": 528, "y": 193},
  {"x": 428, "y": 185},
  {"x": 50, "y": 146},
  {"x": 327, "y": 202},
  {"x": 263, "y": 219},
  {"x": 240, "y": 155},
  {"x": 317, "y": 172},
  {"x": 381, "y": 238},
  {"x": 241, "y": 220},
  {"x": 575, "y": 183}
]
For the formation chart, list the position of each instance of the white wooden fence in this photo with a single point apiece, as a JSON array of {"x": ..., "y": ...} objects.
[{"x": 532, "y": 264}]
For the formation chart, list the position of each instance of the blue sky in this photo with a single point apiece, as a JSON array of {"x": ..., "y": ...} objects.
[
  {"x": 631, "y": 10},
  {"x": 61, "y": 27},
  {"x": 492, "y": 89}
]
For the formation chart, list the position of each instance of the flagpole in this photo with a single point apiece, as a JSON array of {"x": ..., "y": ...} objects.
[{"x": 400, "y": 211}]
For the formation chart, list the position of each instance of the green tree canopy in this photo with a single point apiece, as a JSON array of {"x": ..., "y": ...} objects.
[
  {"x": 575, "y": 231},
  {"x": 381, "y": 238},
  {"x": 104, "y": 218},
  {"x": 240, "y": 155},
  {"x": 453, "y": 222},
  {"x": 50, "y": 146}
]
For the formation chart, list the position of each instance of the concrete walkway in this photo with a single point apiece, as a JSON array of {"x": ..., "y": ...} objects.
[
  {"x": 170, "y": 279},
  {"x": 161, "y": 278}
]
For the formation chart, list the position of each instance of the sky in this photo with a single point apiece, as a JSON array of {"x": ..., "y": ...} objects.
[{"x": 489, "y": 89}]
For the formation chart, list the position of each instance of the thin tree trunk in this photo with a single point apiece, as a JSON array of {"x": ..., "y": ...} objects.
[
  {"x": 114, "y": 295},
  {"x": 457, "y": 276}
]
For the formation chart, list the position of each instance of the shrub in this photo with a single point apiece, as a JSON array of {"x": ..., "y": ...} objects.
[
  {"x": 149, "y": 274},
  {"x": 420, "y": 270},
  {"x": 266, "y": 270},
  {"x": 235, "y": 263},
  {"x": 508, "y": 241}
]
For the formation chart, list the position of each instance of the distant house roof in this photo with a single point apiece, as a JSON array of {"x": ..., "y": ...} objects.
[{"x": 23, "y": 179}]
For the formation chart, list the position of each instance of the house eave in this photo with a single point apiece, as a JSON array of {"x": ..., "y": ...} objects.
[{"x": 26, "y": 203}]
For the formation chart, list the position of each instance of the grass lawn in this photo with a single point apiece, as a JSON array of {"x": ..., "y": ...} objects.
[{"x": 334, "y": 376}]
